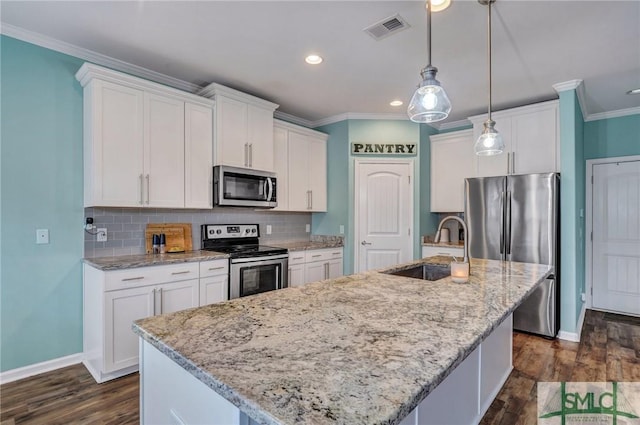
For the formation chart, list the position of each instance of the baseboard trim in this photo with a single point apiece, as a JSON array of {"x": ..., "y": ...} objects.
[
  {"x": 38, "y": 368},
  {"x": 575, "y": 336}
]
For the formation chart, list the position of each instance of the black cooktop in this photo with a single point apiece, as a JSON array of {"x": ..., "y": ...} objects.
[{"x": 246, "y": 251}]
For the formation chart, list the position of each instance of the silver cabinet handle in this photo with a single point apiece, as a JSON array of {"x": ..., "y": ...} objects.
[
  {"x": 311, "y": 199},
  {"x": 336, "y": 253},
  {"x": 308, "y": 199},
  {"x": 246, "y": 154},
  {"x": 250, "y": 154},
  {"x": 317, "y": 255},
  {"x": 148, "y": 189},
  {"x": 153, "y": 291},
  {"x": 128, "y": 279},
  {"x": 161, "y": 299},
  {"x": 513, "y": 162},
  {"x": 326, "y": 270},
  {"x": 216, "y": 268},
  {"x": 508, "y": 161},
  {"x": 141, "y": 189},
  {"x": 297, "y": 258},
  {"x": 363, "y": 243},
  {"x": 182, "y": 272},
  {"x": 289, "y": 277}
]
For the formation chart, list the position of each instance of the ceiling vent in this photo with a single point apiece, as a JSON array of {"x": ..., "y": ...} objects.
[{"x": 386, "y": 27}]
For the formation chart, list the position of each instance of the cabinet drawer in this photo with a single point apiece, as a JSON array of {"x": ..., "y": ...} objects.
[
  {"x": 323, "y": 254},
  {"x": 297, "y": 257},
  {"x": 214, "y": 268},
  {"x": 142, "y": 276},
  {"x": 431, "y": 251}
]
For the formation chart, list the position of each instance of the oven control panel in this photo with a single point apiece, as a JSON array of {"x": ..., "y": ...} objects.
[{"x": 225, "y": 231}]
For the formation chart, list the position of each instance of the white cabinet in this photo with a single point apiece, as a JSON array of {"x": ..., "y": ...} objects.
[
  {"x": 114, "y": 299},
  {"x": 243, "y": 128},
  {"x": 306, "y": 169},
  {"x": 198, "y": 156},
  {"x": 214, "y": 281},
  {"x": 322, "y": 264},
  {"x": 432, "y": 251},
  {"x": 136, "y": 134},
  {"x": 281, "y": 165},
  {"x": 452, "y": 160},
  {"x": 531, "y": 136},
  {"x": 297, "y": 260}
]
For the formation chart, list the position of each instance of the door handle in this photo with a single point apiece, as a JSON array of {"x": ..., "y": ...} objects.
[
  {"x": 269, "y": 183},
  {"x": 141, "y": 189},
  {"x": 509, "y": 222},
  {"x": 502, "y": 213},
  {"x": 363, "y": 243},
  {"x": 148, "y": 189}
]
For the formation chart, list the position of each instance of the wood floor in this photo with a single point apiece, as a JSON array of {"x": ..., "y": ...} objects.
[{"x": 609, "y": 351}]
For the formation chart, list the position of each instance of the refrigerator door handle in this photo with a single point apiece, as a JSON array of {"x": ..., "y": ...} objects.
[
  {"x": 508, "y": 214},
  {"x": 501, "y": 224}
]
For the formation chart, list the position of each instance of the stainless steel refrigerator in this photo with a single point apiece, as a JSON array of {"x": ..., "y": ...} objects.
[{"x": 517, "y": 218}]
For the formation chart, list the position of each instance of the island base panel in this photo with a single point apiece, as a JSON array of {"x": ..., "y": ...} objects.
[{"x": 171, "y": 395}]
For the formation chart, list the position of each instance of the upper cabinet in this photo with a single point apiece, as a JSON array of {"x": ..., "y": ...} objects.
[
  {"x": 531, "y": 136},
  {"x": 138, "y": 136},
  {"x": 452, "y": 160},
  {"x": 301, "y": 168},
  {"x": 243, "y": 128}
]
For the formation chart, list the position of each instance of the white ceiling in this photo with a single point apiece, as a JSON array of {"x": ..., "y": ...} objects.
[{"x": 258, "y": 47}]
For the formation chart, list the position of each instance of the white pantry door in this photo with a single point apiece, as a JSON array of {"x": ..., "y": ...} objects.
[
  {"x": 383, "y": 213},
  {"x": 616, "y": 237}
]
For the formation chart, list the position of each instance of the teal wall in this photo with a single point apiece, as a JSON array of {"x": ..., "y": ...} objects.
[
  {"x": 41, "y": 178},
  {"x": 572, "y": 210},
  {"x": 612, "y": 137}
]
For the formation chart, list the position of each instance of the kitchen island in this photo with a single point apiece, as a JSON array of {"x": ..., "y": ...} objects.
[{"x": 369, "y": 348}]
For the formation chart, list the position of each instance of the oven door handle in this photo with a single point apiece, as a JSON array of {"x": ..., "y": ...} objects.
[{"x": 261, "y": 260}]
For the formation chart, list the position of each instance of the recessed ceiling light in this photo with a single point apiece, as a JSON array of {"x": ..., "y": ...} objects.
[
  {"x": 395, "y": 103},
  {"x": 439, "y": 5},
  {"x": 313, "y": 59},
  {"x": 634, "y": 91}
]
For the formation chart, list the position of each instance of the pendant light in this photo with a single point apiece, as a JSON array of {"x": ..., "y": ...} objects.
[
  {"x": 430, "y": 102},
  {"x": 490, "y": 141}
]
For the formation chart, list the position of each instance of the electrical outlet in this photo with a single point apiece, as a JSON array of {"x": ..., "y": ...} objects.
[
  {"x": 268, "y": 229},
  {"x": 102, "y": 235},
  {"x": 42, "y": 236},
  {"x": 583, "y": 297},
  {"x": 307, "y": 228},
  {"x": 342, "y": 229}
]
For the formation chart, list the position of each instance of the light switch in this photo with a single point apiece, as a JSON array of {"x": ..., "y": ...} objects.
[
  {"x": 42, "y": 236},
  {"x": 307, "y": 228},
  {"x": 268, "y": 229},
  {"x": 342, "y": 229}
]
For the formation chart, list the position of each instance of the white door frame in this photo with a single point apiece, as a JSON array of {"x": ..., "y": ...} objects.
[
  {"x": 356, "y": 205},
  {"x": 588, "y": 231}
]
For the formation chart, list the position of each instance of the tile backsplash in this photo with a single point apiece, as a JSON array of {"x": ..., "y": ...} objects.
[{"x": 126, "y": 226}]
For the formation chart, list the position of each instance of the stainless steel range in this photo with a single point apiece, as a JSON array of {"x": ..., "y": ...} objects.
[{"x": 253, "y": 268}]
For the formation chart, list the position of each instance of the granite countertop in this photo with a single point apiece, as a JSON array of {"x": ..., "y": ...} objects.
[
  {"x": 144, "y": 260},
  {"x": 360, "y": 349}
]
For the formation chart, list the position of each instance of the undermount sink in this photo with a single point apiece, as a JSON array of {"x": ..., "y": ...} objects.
[{"x": 424, "y": 272}]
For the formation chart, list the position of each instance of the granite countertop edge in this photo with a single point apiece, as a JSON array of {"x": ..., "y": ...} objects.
[
  {"x": 257, "y": 413},
  {"x": 145, "y": 260}
]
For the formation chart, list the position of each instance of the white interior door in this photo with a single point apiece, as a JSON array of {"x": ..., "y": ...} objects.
[
  {"x": 616, "y": 237},
  {"x": 383, "y": 213}
]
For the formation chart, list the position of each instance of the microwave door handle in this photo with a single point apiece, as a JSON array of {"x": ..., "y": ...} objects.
[
  {"x": 278, "y": 283},
  {"x": 270, "y": 191}
]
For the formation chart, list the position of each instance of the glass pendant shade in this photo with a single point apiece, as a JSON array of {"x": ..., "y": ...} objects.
[
  {"x": 490, "y": 141},
  {"x": 430, "y": 102}
]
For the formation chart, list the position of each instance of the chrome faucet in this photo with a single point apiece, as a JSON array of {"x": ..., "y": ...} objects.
[{"x": 464, "y": 229}]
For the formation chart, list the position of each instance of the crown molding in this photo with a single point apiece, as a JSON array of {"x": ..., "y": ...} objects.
[
  {"x": 96, "y": 58},
  {"x": 578, "y": 86},
  {"x": 614, "y": 114},
  {"x": 293, "y": 119},
  {"x": 359, "y": 116},
  {"x": 452, "y": 125}
]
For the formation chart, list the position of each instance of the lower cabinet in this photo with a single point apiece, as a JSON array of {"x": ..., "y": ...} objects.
[
  {"x": 432, "y": 251},
  {"x": 214, "y": 281},
  {"x": 113, "y": 300},
  {"x": 313, "y": 265}
]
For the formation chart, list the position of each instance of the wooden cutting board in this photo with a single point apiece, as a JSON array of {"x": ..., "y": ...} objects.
[{"x": 178, "y": 236}]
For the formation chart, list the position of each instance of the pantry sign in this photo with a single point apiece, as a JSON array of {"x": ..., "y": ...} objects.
[{"x": 358, "y": 148}]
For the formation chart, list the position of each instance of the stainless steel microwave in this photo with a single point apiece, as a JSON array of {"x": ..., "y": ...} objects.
[{"x": 242, "y": 187}]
